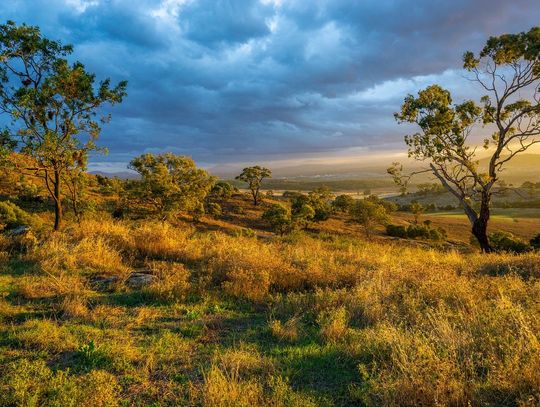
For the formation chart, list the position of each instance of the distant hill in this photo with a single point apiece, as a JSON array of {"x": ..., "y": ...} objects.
[
  {"x": 118, "y": 174},
  {"x": 355, "y": 175},
  {"x": 525, "y": 167}
]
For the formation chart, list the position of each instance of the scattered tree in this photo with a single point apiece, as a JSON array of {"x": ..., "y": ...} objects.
[
  {"x": 368, "y": 214},
  {"x": 279, "y": 218},
  {"x": 416, "y": 209},
  {"x": 52, "y": 104},
  {"x": 321, "y": 201},
  {"x": 303, "y": 214},
  {"x": 254, "y": 177},
  {"x": 507, "y": 68},
  {"x": 343, "y": 203},
  {"x": 170, "y": 184}
]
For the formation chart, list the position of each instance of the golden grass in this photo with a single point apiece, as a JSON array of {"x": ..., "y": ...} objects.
[
  {"x": 59, "y": 254},
  {"x": 287, "y": 331},
  {"x": 173, "y": 281},
  {"x": 425, "y": 327}
]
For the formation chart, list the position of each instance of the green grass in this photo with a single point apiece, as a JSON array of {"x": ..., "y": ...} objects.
[
  {"x": 497, "y": 213},
  {"x": 372, "y": 323}
]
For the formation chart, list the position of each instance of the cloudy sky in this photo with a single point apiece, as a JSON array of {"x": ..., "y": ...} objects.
[{"x": 282, "y": 81}]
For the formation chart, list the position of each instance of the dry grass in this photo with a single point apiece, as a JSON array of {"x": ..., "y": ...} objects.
[
  {"x": 173, "y": 281},
  {"x": 289, "y": 331},
  {"x": 419, "y": 326}
]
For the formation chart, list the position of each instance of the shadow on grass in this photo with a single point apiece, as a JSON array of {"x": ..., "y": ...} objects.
[
  {"x": 322, "y": 370},
  {"x": 18, "y": 268}
]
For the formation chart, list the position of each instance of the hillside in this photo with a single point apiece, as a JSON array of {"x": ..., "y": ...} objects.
[{"x": 232, "y": 314}]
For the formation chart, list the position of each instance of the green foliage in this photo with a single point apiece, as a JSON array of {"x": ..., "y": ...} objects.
[
  {"x": 170, "y": 184},
  {"x": 321, "y": 201},
  {"x": 389, "y": 206},
  {"x": 507, "y": 67},
  {"x": 535, "y": 242},
  {"x": 506, "y": 242},
  {"x": 414, "y": 231},
  {"x": 313, "y": 207},
  {"x": 222, "y": 190},
  {"x": 254, "y": 177},
  {"x": 53, "y": 105},
  {"x": 396, "y": 230},
  {"x": 279, "y": 217},
  {"x": 368, "y": 214},
  {"x": 213, "y": 209},
  {"x": 12, "y": 216},
  {"x": 416, "y": 209}
]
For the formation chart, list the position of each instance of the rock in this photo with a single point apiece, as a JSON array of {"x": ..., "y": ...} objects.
[
  {"x": 104, "y": 282},
  {"x": 140, "y": 280}
]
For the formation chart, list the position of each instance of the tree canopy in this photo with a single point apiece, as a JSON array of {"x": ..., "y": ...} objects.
[
  {"x": 508, "y": 70},
  {"x": 171, "y": 184},
  {"x": 53, "y": 105},
  {"x": 254, "y": 177}
]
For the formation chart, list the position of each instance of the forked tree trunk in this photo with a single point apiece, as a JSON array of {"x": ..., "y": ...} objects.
[{"x": 479, "y": 226}]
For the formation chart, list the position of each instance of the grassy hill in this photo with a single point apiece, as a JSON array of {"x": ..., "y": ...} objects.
[{"x": 235, "y": 315}]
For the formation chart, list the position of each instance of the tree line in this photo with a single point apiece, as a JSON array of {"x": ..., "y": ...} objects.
[{"x": 56, "y": 114}]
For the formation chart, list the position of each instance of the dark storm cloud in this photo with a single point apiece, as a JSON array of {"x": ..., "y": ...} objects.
[{"x": 227, "y": 80}]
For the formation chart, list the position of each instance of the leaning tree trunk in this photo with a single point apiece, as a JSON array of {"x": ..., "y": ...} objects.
[
  {"x": 57, "y": 202},
  {"x": 479, "y": 227}
]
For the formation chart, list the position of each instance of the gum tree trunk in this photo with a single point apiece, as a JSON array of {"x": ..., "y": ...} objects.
[{"x": 57, "y": 201}]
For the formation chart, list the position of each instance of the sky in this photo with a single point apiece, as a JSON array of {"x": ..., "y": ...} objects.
[{"x": 279, "y": 82}]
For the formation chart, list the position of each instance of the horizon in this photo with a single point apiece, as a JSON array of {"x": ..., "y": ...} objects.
[{"x": 270, "y": 82}]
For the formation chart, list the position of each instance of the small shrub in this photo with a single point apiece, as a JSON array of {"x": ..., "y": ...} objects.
[
  {"x": 213, "y": 209},
  {"x": 12, "y": 216},
  {"x": 535, "y": 242},
  {"x": 226, "y": 388},
  {"x": 506, "y": 242},
  {"x": 396, "y": 231}
]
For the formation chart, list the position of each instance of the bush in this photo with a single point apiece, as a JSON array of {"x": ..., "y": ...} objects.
[
  {"x": 414, "y": 231},
  {"x": 213, "y": 209},
  {"x": 506, "y": 242},
  {"x": 535, "y": 242},
  {"x": 343, "y": 203},
  {"x": 173, "y": 281},
  {"x": 396, "y": 231},
  {"x": 12, "y": 216},
  {"x": 333, "y": 324},
  {"x": 278, "y": 217}
]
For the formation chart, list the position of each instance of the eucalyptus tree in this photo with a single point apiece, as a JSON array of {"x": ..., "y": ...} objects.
[
  {"x": 170, "y": 184},
  {"x": 53, "y": 106},
  {"x": 254, "y": 176},
  {"x": 508, "y": 71}
]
